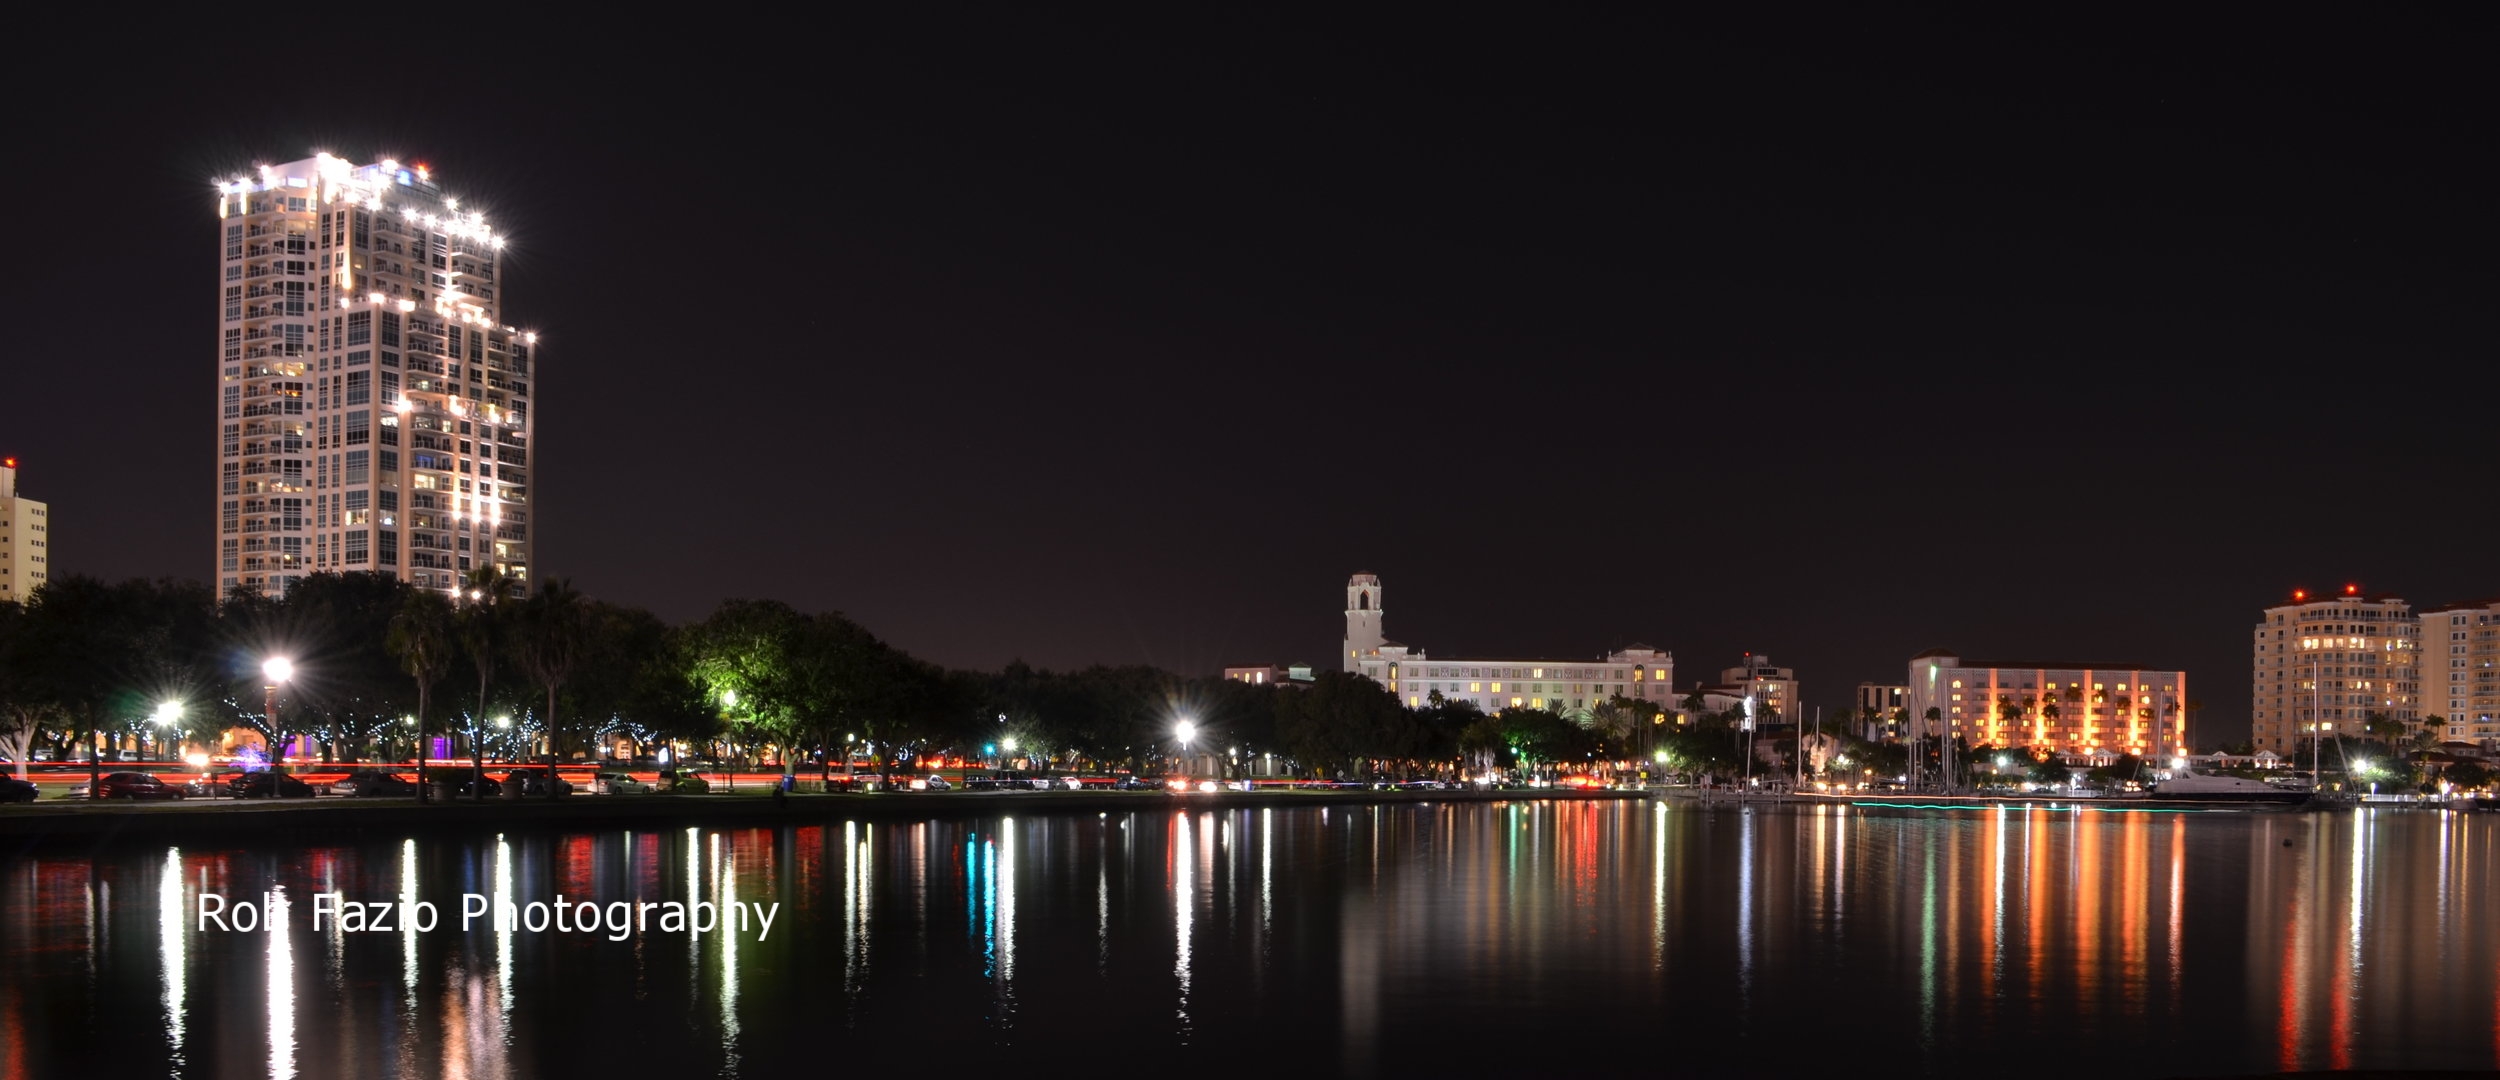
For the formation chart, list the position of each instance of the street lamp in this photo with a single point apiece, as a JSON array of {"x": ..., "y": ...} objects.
[
  {"x": 1185, "y": 731},
  {"x": 275, "y": 670},
  {"x": 168, "y": 713}
]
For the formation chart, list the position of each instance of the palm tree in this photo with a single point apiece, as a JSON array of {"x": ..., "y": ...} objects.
[
  {"x": 2379, "y": 725},
  {"x": 554, "y": 629},
  {"x": 420, "y": 637},
  {"x": 1611, "y": 724},
  {"x": 482, "y": 634}
]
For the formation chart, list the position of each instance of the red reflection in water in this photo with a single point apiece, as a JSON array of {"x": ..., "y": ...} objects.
[{"x": 2287, "y": 993}]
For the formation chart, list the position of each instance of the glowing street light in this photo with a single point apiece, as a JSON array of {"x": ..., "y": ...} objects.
[
  {"x": 275, "y": 670},
  {"x": 168, "y": 713},
  {"x": 1185, "y": 731}
]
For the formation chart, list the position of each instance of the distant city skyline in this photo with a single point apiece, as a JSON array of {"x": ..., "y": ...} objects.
[{"x": 1026, "y": 337}]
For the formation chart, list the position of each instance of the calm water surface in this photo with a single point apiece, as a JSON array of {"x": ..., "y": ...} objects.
[{"x": 1604, "y": 938}]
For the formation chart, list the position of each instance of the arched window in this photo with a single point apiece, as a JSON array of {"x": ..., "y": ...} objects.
[{"x": 1363, "y": 601}]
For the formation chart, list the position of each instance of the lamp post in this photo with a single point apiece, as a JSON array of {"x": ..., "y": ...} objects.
[
  {"x": 168, "y": 713},
  {"x": 1185, "y": 731},
  {"x": 275, "y": 670}
]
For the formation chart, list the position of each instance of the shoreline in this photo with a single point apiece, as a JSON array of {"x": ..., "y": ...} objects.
[{"x": 96, "y": 826}]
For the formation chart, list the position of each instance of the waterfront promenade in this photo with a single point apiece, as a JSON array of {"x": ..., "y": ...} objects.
[{"x": 69, "y": 824}]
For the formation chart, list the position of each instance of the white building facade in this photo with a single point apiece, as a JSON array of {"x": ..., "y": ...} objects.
[
  {"x": 2074, "y": 708},
  {"x": 374, "y": 410},
  {"x": 1638, "y": 672},
  {"x": 1771, "y": 688},
  {"x": 2461, "y": 670},
  {"x": 2323, "y": 664},
  {"x": 25, "y": 539}
]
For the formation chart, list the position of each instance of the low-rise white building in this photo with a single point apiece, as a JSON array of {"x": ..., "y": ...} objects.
[{"x": 1637, "y": 671}]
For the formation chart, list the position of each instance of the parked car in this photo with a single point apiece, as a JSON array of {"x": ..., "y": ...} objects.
[
  {"x": 43, "y": 755},
  {"x": 534, "y": 782},
  {"x": 683, "y": 783},
  {"x": 374, "y": 784},
  {"x": 133, "y": 785},
  {"x": 13, "y": 789},
  {"x": 1136, "y": 783},
  {"x": 268, "y": 785},
  {"x": 617, "y": 782}
]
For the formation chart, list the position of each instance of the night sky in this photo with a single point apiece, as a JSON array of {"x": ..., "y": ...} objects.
[{"x": 1836, "y": 337}]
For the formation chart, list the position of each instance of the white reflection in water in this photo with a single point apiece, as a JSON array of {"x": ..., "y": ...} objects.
[
  {"x": 1182, "y": 888},
  {"x": 1267, "y": 873},
  {"x": 504, "y": 930},
  {"x": 170, "y": 938},
  {"x": 2360, "y": 871},
  {"x": 725, "y": 890},
  {"x": 407, "y": 927},
  {"x": 1658, "y": 888},
  {"x": 1004, "y": 877},
  {"x": 1744, "y": 902},
  {"x": 854, "y": 907},
  {"x": 1996, "y": 936},
  {"x": 1102, "y": 904},
  {"x": 281, "y": 989},
  {"x": 1927, "y": 950},
  {"x": 408, "y": 956},
  {"x": 694, "y": 892}
]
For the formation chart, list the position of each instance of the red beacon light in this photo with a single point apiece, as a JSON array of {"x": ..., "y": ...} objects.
[
  {"x": 2300, "y": 594},
  {"x": 2352, "y": 590}
]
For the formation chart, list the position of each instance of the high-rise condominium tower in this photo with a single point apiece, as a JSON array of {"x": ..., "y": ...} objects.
[
  {"x": 374, "y": 410},
  {"x": 2325, "y": 664}
]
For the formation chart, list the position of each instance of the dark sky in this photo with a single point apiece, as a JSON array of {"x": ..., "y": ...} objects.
[{"x": 1837, "y": 336}]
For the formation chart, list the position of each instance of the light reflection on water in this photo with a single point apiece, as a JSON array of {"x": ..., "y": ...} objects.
[{"x": 1356, "y": 938}]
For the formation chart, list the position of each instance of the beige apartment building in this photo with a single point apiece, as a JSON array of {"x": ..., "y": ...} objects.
[
  {"x": 374, "y": 409},
  {"x": 2324, "y": 663},
  {"x": 25, "y": 539},
  {"x": 2461, "y": 670},
  {"x": 2079, "y": 709}
]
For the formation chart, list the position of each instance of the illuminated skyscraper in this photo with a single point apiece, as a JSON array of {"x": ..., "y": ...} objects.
[{"x": 374, "y": 407}]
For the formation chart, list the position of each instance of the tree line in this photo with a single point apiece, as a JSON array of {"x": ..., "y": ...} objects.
[{"x": 378, "y": 667}]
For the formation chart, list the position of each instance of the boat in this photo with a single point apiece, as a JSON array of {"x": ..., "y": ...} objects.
[{"x": 2207, "y": 788}]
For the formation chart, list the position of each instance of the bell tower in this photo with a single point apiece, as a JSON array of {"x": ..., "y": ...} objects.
[{"x": 1362, "y": 619}]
